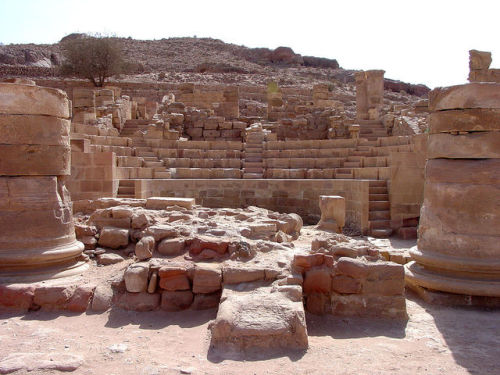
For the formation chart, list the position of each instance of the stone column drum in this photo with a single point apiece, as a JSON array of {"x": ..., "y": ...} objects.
[
  {"x": 37, "y": 236},
  {"x": 458, "y": 248}
]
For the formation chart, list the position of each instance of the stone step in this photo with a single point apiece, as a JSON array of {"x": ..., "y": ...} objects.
[
  {"x": 354, "y": 158},
  {"x": 381, "y": 233},
  {"x": 162, "y": 174},
  {"x": 251, "y": 176},
  {"x": 257, "y": 150},
  {"x": 253, "y": 170},
  {"x": 379, "y": 224},
  {"x": 344, "y": 176},
  {"x": 361, "y": 153},
  {"x": 126, "y": 190},
  {"x": 126, "y": 183},
  {"x": 378, "y": 197},
  {"x": 125, "y": 195},
  {"x": 153, "y": 164},
  {"x": 377, "y": 183},
  {"x": 352, "y": 164},
  {"x": 377, "y": 190},
  {"x": 145, "y": 153},
  {"x": 253, "y": 164},
  {"x": 379, "y": 215},
  {"x": 253, "y": 158},
  {"x": 150, "y": 158},
  {"x": 379, "y": 206},
  {"x": 407, "y": 233}
]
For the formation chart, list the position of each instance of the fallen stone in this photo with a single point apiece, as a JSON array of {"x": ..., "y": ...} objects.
[
  {"x": 251, "y": 316},
  {"x": 40, "y": 361},
  {"x": 144, "y": 248},
  {"x": 171, "y": 246},
  {"x": 161, "y": 203},
  {"x": 102, "y": 298},
  {"x": 114, "y": 238},
  {"x": 161, "y": 231},
  {"x": 109, "y": 258},
  {"x": 136, "y": 277}
]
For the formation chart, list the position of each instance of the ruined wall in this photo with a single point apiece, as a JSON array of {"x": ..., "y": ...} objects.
[
  {"x": 297, "y": 196},
  {"x": 479, "y": 65}
]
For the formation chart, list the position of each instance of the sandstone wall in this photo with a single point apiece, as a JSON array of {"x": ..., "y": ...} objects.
[{"x": 290, "y": 196}]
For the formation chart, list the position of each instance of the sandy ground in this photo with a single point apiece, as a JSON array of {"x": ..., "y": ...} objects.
[{"x": 435, "y": 340}]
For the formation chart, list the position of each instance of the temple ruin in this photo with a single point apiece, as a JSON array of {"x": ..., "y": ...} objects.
[{"x": 265, "y": 203}]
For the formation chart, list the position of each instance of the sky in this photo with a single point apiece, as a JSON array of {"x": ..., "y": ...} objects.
[{"x": 414, "y": 41}]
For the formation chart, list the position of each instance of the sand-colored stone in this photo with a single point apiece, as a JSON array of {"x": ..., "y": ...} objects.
[
  {"x": 472, "y": 95},
  {"x": 478, "y": 145},
  {"x": 464, "y": 120}
]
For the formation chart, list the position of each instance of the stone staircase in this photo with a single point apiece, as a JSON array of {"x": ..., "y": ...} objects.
[
  {"x": 253, "y": 165},
  {"x": 379, "y": 216},
  {"x": 371, "y": 129},
  {"x": 126, "y": 189},
  {"x": 132, "y": 126}
]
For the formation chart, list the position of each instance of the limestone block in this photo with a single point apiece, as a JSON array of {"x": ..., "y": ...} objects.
[
  {"x": 256, "y": 316},
  {"x": 479, "y": 60},
  {"x": 174, "y": 277},
  {"x": 176, "y": 301},
  {"x": 141, "y": 301},
  {"x": 171, "y": 246},
  {"x": 472, "y": 95},
  {"x": 479, "y": 145},
  {"x": 18, "y": 99},
  {"x": 332, "y": 212},
  {"x": 161, "y": 203},
  {"x": 29, "y": 129},
  {"x": 114, "y": 238},
  {"x": 207, "y": 278},
  {"x": 318, "y": 280},
  {"x": 465, "y": 120},
  {"x": 144, "y": 247},
  {"x": 136, "y": 277},
  {"x": 33, "y": 159}
]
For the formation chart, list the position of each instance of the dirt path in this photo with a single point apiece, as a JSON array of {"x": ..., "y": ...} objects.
[{"x": 435, "y": 340}]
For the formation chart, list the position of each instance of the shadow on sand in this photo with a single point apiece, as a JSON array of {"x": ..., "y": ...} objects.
[{"x": 472, "y": 334}]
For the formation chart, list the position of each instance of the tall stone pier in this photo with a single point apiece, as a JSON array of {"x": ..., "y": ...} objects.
[
  {"x": 37, "y": 236},
  {"x": 458, "y": 247},
  {"x": 369, "y": 94}
]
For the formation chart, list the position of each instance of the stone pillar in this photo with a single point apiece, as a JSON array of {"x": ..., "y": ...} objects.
[
  {"x": 369, "y": 94},
  {"x": 84, "y": 105},
  {"x": 37, "y": 237},
  {"x": 332, "y": 213},
  {"x": 458, "y": 248}
]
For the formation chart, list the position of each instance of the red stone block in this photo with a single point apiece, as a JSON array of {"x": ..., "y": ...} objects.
[{"x": 318, "y": 280}]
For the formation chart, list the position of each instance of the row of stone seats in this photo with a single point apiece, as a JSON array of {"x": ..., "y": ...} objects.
[
  {"x": 118, "y": 150},
  {"x": 201, "y": 163},
  {"x": 308, "y": 153},
  {"x": 371, "y": 173},
  {"x": 77, "y": 128},
  {"x": 206, "y": 173},
  {"x": 196, "y": 145},
  {"x": 308, "y": 163},
  {"x": 311, "y": 144},
  {"x": 198, "y": 154}
]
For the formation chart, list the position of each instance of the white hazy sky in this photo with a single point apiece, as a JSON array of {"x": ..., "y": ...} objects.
[{"x": 415, "y": 41}]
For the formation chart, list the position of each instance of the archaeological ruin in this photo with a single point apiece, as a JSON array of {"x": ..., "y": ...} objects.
[{"x": 266, "y": 203}]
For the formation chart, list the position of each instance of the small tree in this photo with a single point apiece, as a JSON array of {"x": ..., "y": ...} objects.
[{"x": 95, "y": 58}]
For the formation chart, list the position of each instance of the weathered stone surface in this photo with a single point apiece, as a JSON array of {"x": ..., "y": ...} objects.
[
  {"x": 144, "y": 248},
  {"x": 472, "y": 95},
  {"x": 114, "y": 238},
  {"x": 176, "y": 301},
  {"x": 206, "y": 301},
  {"x": 29, "y": 129},
  {"x": 463, "y": 171},
  {"x": 200, "y": 243},
  {"x": 369, "y": 305},
  {"x": 464, "y": 120},
  {"x": 17, "y": 296},
  {"x": 347, "y": 285},
  {"x": 242, "y": 273},
  {"x": 161, "y": 231},
  {"x": 33, "y": 100},
  {"x": 250, "y": 315},
  {"x": 332, "y": 212},
  {"x": 102, "y": 298},
  {"x": 171, "y": 246},
  {"x": 207, "y": 278},
  {"x": 34, "y": 160},
  {"x": 40, "y": 362},
  {"x": 160, "y": 203},
  {"x": 142, "y": 301},
  {"x": 480, "y": 145},
  {"x": 318, "y": 280},
  {"x": 109, "y": 258},
  {"x": 174, "y": 277},
  {"x": 136, "y": 277}
]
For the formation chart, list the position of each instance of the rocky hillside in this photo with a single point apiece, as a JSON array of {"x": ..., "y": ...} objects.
[{"x": 202, "y": 60}]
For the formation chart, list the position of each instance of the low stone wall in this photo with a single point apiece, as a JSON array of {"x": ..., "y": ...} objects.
[{"x": 290, "y": 196}]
